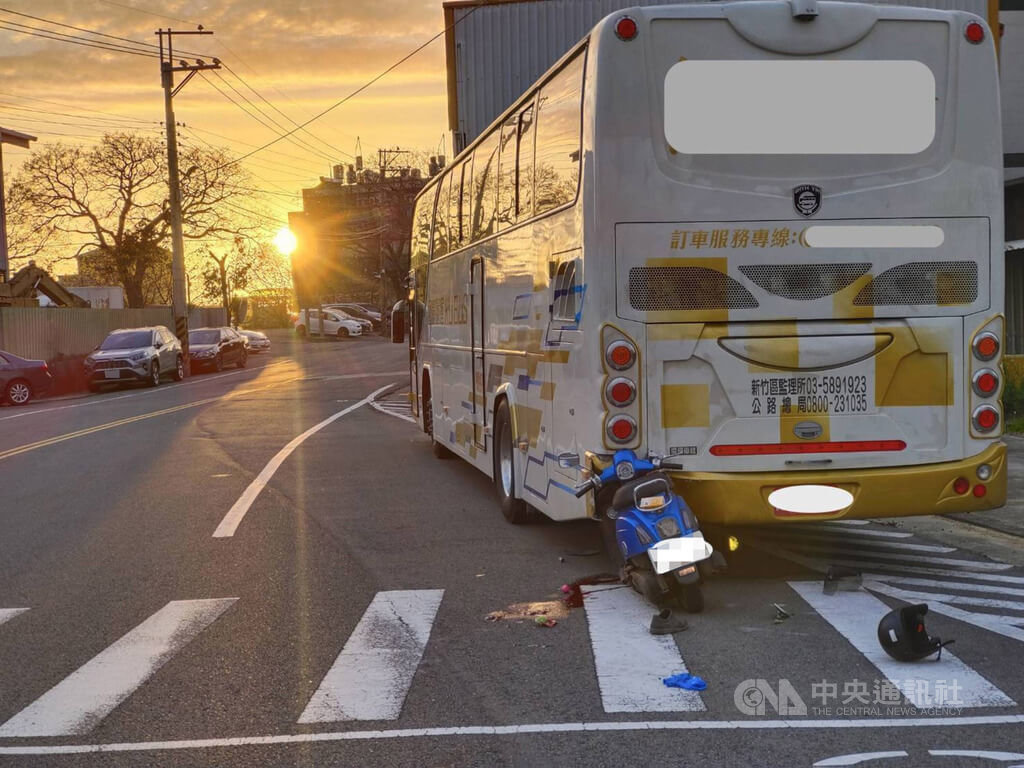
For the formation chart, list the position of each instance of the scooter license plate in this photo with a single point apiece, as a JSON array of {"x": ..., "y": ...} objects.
[{"x": 687, "y": 570}]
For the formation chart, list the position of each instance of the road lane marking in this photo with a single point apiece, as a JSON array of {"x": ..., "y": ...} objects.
[
  {"x": 855, "y": 615},
  {"x": 984, "y": 602},
  {"x": 799, "y": 528},
  {"x": 6, "y": 614},
  {"x": 374, "y": 671},
  {"x": 981, "y": 565},
  {"x": 151, "y": 391},
  {"x": 857, "y": 759},
  {"x": 233, "y": 518},
  {"x": 630, "y": 661},
  {"x": 836, "y": 542},
  {"x": 791, "y": 724},
  {"x": 82, "y": 699},
  {"x": 103, "y": 427},
  {"x": 983, "y": 620},
  {"x": 863, "y": 562}
]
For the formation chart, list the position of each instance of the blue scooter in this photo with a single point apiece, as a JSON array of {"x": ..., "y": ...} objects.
[{"x": 656, "y": 533}]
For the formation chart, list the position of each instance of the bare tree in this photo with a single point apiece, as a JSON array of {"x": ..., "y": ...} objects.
[{"x": 114, "y": 194}]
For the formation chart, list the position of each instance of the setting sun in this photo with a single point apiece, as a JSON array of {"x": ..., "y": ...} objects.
[{"x": 285, "y": 241}]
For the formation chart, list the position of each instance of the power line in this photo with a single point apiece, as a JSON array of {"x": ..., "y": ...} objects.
[
  {"x": 366, "y": 85},
  {"x": 247, "y": 144},
  {"x": 87, "y": 31},
  {"x": 143, "y": 10},
  {"x": 255, "y": 117},
  {"x": 247, "y": 100},
  {"x": 283, "y": 114},
  {"x": 68, "y": 106},
  {"x": 115, "y": 121},
  {"x": 72, "y": 40}
]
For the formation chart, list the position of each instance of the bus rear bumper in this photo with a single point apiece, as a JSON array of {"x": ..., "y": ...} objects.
[{"x": 741, "y": 498}]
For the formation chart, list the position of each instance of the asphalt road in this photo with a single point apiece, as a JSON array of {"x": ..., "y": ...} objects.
[{"x": 338, "y": 616}]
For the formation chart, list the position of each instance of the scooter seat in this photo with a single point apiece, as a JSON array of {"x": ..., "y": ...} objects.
[{"x": 654, "y": 483}]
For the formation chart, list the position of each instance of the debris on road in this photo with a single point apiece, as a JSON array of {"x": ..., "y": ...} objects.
[
  {"x": 667, "y": 623},
  {"x": 839, "y": 578},
  {"x": 573, "y": 593},
  {"x": 685, "y": 680},
  {"x": 781, "y": 614},
  {"x": 902, "y": 635},
  {"x": 548, "y": 610},
  {"x": 544, "y": 621}
]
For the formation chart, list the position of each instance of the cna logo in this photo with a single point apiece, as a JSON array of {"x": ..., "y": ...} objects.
[{"x": 754, "y": 697}]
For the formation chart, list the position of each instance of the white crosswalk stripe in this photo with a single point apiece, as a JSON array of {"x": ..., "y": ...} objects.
[
  {"x": 374, "y": 671},
  {"x": 950, "y": 585},
  {"x": 396, "y": 405},
  {"x": 6, "y": 614},
  {"x": 630, "y": 661},
  {"x": 855, "y": 616},
  {"x": 82, "y": 699}
]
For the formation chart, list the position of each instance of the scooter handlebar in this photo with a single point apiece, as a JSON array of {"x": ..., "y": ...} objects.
[{"x": 584, "y": 489}]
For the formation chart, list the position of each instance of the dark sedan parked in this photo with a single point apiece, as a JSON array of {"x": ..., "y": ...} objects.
[
  {"x": 21, "y": 379},
  {"x": 213, "y": 348}
]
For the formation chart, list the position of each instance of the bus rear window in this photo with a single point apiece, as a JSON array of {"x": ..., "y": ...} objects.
[{"x": 800, "y": 107}]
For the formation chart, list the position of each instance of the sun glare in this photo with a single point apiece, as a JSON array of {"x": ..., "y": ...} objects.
[{"x": 285, "y": 241}]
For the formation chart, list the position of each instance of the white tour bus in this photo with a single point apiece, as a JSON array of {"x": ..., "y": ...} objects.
[{"x": 761, "y": 240}]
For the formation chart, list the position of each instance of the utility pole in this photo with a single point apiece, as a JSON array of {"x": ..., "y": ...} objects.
[{"x": 179, "y": 291}]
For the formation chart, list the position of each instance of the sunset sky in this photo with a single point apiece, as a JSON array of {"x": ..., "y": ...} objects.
[{"x": 302, "y": 56}]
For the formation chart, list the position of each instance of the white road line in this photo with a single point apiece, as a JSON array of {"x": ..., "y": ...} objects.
[
  {"x": 233, "y": 518},
  {"x": 977, "y": 619},
  {"x": 857, "y": 759},
  {"x": 630, "y": 661},
  {"x": 793, "y": 724},
  {"x": 818, "y": 564},
  {"x": 152, "y": 391},
  {"x": 981, "y": 602},
  {"x": 890, "y": 579},
  {"x": 855, "y": 615},
  {"x": 847, "y": 522},
  {"x": 82, "y": 699},
  {"x": 849, "y": 541},
  {"x": 373, "y": 673},
  {"x": 6, "y": 614},
  {"x": 858, "y": 532},
  {"x": 981, "y": 565}
]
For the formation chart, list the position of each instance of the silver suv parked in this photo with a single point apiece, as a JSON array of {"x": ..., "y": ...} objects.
[{"x": 135, "y": 354}]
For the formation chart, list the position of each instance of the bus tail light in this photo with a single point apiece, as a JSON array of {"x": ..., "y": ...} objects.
[
  {"x": 986, "y": 346},
  {"x": 974, "y": 32},
  {"x": 776, "y": 449},
  {"x": 621, "y": 429},
  {"x": 620, "y": 392},
  {"x": 985, "y": 382},
  {"x": 626, "y": 29},
  {"x": 979, "y": 491},
  {"x": 961, "y": 485},
  {"x": 620, "y": 355},
  {"x": 985, "y": 418}
]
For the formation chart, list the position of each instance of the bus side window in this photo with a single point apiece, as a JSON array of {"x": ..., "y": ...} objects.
[
  {"x": 566, "y": 299},
  {"x": 465, "y": 220},
  {"x": 559, "y": 125},
  {"x": 485, "y": 186},
  {"x": 525, "y": 167},
  {"x": 456, "y": 237},
  {"x": 507, "y": 173},
  {"x": 441, "y": 220}
]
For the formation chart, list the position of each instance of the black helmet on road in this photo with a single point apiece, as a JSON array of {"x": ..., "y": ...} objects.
[{"x": 903, "y": 636}]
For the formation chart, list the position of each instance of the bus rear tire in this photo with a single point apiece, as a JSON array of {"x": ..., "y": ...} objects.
[{"x": 515, "y": 510}]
